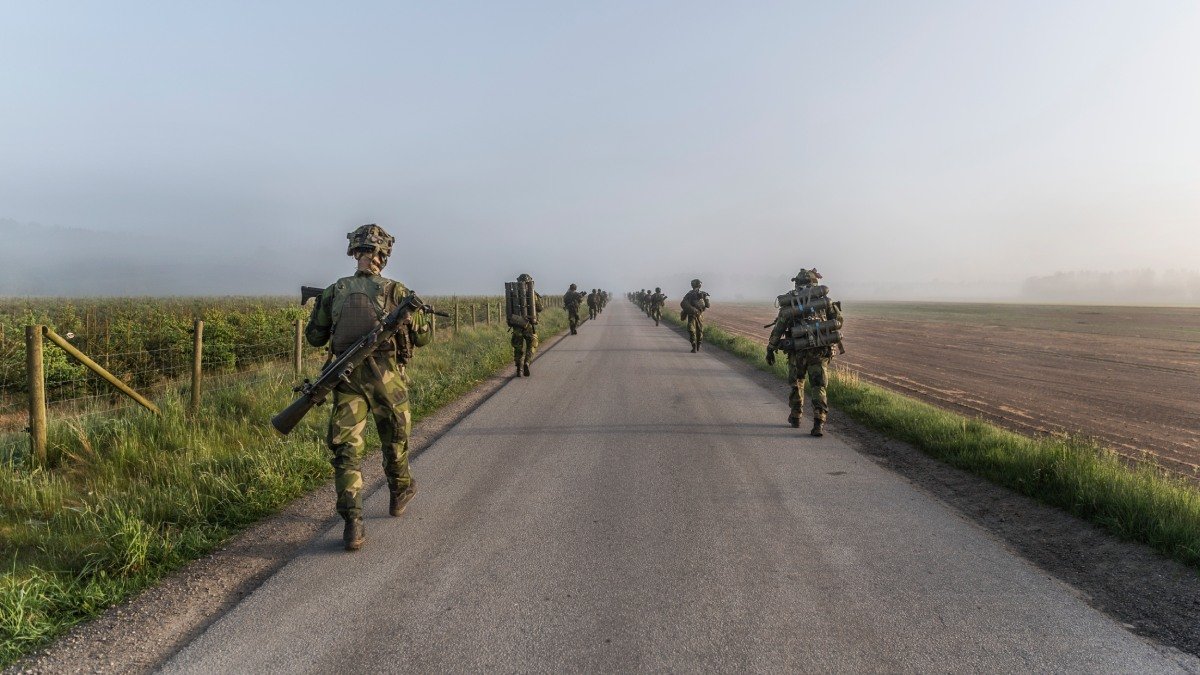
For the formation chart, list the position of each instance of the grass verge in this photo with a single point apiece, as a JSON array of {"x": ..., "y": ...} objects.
[
  {"x": 129, "y": 497},
  {"x": 1142, "y": 503}
]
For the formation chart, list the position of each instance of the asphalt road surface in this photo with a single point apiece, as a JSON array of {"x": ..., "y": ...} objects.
[{"x": 633, "y": 506}]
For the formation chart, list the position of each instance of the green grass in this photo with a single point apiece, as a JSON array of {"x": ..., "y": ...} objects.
[
  {"x": 127, "y": 498},
  {"x": 1142, "y": 503}
]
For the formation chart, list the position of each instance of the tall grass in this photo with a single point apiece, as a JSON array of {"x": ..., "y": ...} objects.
[
  {"x": 1142, "y": 503},
  {"x": 131, "y": 497}
]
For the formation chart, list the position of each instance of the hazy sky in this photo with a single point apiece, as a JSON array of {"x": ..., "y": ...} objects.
[{"x": 610, "y": 143}]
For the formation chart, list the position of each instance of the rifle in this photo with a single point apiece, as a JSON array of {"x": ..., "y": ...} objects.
[
  {"x": 314, "y": 393},
  {"x": 307, "y": 292}
]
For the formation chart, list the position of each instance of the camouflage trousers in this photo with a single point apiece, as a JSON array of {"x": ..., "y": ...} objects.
[
  {"x": 695, "y": 326},
  {"x": 573, "y": 317},
  {"x": 524, "y": 344},
  {"x": 382, "y": 392},
  {"x": 815, "y": 366},
  {"x": 656, "y": 314},
  {"x": 592, "y": 312}
]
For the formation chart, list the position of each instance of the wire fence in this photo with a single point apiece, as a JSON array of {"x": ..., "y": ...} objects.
[{"x": 153, "y": 356}]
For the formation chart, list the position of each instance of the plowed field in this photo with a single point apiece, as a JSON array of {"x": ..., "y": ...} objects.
[{"x": 1128, "y": 377}]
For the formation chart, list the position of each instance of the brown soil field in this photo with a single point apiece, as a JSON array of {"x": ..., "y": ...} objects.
[{"x": 1128, "y": 377}]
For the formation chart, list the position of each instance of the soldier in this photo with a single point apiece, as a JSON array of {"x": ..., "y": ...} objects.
[
  {"x": 813, "y": 361},
  {"x": 344, "y": 312},
  {"x": 525, "y": 337},
  {"x": 656, "y": 305},
  {"x": 693, "y": 305},
  {"x": 593, "y": 303},
  {"x": 571, "y": 300}
]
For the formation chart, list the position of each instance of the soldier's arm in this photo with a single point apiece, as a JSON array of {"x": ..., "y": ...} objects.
[
  {"x": 420, "y": 324},
  {"x": 776, "y": 332},
  {"x": 320, "y": 322},
  {"x": 537, "y": 302}
]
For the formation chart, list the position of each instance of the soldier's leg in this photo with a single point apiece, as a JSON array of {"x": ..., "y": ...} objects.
[
  {"x": 389, "y": 404},
  {"x": 518, "y": 345},
  {"x": 347, "y": 421},
  {"x": 796, "y": 395},
  {"x": 691, "y": 326},
  {"x": 531, "y": 346},
  {"x": 818, "y": 381},
  {"x": 699, "y": 330}
]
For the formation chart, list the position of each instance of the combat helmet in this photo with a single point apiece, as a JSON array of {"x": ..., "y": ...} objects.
[
  {"x": 370, "y": 237},
  {"x": 573, "y": 287},
  {"x": 806, "y": 277},
  {"x": 695, "y": 283},
  {"x": 524, "y": 277},
  {"x": 657, "y": 289}
]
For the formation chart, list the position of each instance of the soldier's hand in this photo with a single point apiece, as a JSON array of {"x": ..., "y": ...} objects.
[{"x": 770, "y": 356}]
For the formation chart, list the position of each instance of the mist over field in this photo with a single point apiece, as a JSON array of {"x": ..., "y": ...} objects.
[{"x": 946, "y": 150}]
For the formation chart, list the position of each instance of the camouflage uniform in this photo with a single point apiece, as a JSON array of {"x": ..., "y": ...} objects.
[
  {"x": 346, "y": 310},
  {"x": 525, "y": 341},
  {"x": 656, "y": 305},
  {"x": 571, "y": 300},
  {"x": 593, "y": 303},
  {"x": 694, "y": 303},
  {"x": 810, "y": 363}
]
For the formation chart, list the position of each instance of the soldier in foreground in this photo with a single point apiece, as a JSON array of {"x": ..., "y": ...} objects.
[
  {"x": 807, "y": 328},
  {"x": 524, "y": 305},
  {"x": 345, "y": 311},
  {"x": 571, "y": 300},
  {"x": 691, "y": 308},
  {"x": 657, "y": 300}
]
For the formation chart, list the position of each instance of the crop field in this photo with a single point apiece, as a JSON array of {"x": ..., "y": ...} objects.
[{"x": 1128, "y": 377}]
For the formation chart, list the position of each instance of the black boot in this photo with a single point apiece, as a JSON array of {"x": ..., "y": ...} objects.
[
  {"x": 353, "y": 535},
  {"x": 400, "y": 499},
  {"x": 818, "y": 429},
  {"x": 693, "y": 349},
  {"x": 794, "y": 420},
  {"x": 526, "y": 370},
  {"x": 518, "y": 369}
]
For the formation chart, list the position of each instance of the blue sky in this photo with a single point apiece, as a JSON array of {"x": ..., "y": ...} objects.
[{"x": 617, "y": 143}]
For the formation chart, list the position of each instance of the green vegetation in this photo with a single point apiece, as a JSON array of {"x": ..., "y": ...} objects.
[
  {"x": 127, "y": 497},
  {"x": 1142, "y": 503}
]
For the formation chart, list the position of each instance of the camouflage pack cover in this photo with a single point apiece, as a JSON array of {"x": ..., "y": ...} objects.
[{"x": 370, "y": 237}]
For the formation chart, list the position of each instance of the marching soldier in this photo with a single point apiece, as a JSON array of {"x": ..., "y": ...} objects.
[
  {"x": 656, "y": 305},
  {"x": 571, "y": 300},
  {"x": 693, "y": 305},
  {"x": 524, "y": 335},
  {"x": 807, "y": 328},
  {"x": 345, "y": 311}
]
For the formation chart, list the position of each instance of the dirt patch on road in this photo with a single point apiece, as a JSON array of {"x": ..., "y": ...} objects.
[{"x": 1128, "y": 377}]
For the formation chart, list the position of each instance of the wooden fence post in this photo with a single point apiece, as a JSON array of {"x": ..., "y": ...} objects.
[
  {"x": 299, "y": 351},
  {"x": 37, "y": 394},
  {"x": 456, "y": 316},
  {"x": 472, "y": 315},
  {"x": 197, "y": 363}
]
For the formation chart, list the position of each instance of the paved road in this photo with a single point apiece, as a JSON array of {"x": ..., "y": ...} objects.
[{"x": 634, "y": 506}]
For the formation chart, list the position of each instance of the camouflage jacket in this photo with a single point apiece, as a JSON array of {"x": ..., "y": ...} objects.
[{"x": 385, "y": 294}]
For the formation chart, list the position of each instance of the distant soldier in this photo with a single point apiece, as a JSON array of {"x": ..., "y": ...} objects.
[
  {"x": 807, "y": 328},
  {"x": 656, "y": 305},
  {"x": 593, "y": 303},
  {"x": 571, "y": 301},
  {"x": 524, "y": 333},
  {"x": 691, "y": 309},
  {"x": 347, "y": 310}
]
